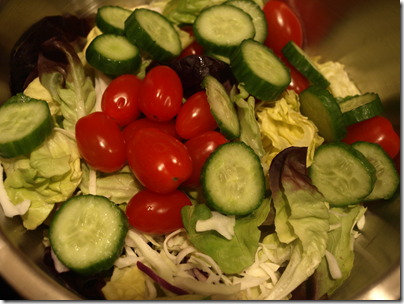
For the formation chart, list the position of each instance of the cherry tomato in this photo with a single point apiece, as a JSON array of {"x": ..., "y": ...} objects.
[
  {"x": 156, "y": 213},
  {"x": 159, "y": 161},
  {"x": 195, "y": 117},
  {"x": 298, "y": 82},
  {"x": 194, "y": 48},
  {"x": 160, "y": 96},
  {"x": 119, "y": 100},
  {"x": 100, "y": 142},
  {"x": 167, "y": 127},
  {"x": 200, "y": 147},
  {"x": 377, "y": 130},
  {"x": 283, "y": 26}
]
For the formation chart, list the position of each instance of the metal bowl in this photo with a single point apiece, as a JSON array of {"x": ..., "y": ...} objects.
[{"x": 364, "y": 35}]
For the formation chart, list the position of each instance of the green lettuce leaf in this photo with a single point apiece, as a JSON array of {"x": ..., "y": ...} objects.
[
  {"x": 250, "y": 130},
  {"x": 241, "y": 248},
  {"x": 125, "y": 284},
  {"x": 301, "y": 219},
  {"x": 340, "y": 245},
  {"x": 50, "y": 175},
  {"x": 62, "y": 73},
  {"x": 119, "y": 186}
]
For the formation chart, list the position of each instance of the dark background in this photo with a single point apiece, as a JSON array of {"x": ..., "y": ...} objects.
[{"x": 7, "y": 292}]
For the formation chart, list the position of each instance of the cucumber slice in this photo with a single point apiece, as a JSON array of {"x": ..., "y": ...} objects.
[
  {"x": 388, "y": 179},
  {"x": 222, "y": 28},
  {"x": 25, "y": 123},
  {"x": 257, "y": 16},
  {"x": 153, "y": 33},
  {"x": 232, "y": 179},
  {"x": 111, "y": 19},
  {"x": 342, "y": 174},
  {"x": 321, "y": 108},
  {"x": 222, "y": 108},
  {"x": 302, "y": 62},
  {"x": 113, "y": 55},
  {"x": 360, "y": 107},
  {"x": 264, "y": 75},
  {"x": 87, "y": 233},
  {"x": 216, "y": 56}
]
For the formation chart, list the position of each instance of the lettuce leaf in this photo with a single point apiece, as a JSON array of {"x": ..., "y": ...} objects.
[
  {"x": 283, "y": 126},
  {"x": 241, "y": 248},
  {"x": 119, "y": 186},
  {"x": 125, "y": 284},
  {"x": 250, "y": 129},
  {"x": 50, "y": 175},
  {"x": 62, "y": 73},
  {"x": 301, "y": 219},
  {"x": 340, "y": 245}
]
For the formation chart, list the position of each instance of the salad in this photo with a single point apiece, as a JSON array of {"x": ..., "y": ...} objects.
[{"x": 182, "y": 150}]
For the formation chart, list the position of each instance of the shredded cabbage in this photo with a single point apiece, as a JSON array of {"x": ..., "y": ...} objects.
[{"x": 175, "y": 259}]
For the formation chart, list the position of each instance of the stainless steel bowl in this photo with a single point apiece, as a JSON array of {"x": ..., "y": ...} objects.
[{"x": 364, "y": 35}]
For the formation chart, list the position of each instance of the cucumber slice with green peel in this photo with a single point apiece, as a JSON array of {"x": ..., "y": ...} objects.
[
  {"x": 388, "y": 179},
  {"x": 264, "y": 75},
  {"x": 321, "y": 108},
  {"x": 302, "y": 62},
  {"x": 257, "y": 15},
  {"x": 222, "y": 108},
  {"x": 222, "y": 28},
  {"x": 111, "y": 19},
  {"x": 25, "y": 123},
  {"x": 88, "y": 233},
  {"x": 113, "y": 55},
  {"x": 218, "y": 57},
  {"x": 360, "y": 107},
  {"x": 153, "y": 33},
  {"x": 342, "y": 174},
  {"x": 232, "y": 179}
]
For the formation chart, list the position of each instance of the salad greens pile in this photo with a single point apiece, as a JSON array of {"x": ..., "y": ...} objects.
[{"x": 303, "y": 236}]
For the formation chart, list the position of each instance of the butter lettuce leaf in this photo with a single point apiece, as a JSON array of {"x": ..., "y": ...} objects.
[
  {"x": 119, "y": 186},
  {"x": 283, "y": 126},
  {"x": 36, "y": 90},
  {"x": 301, "y": 219},
  {"x": 250, "y": 129},
  {"x": 340, "y": 84},
  {"x": 49, "y": 175},
  {"x": 340, "y": 242},
  {"x": 234, "y": 255},
  {"x": 126, "y": 284},
  {"x": 62, "y": 73}
]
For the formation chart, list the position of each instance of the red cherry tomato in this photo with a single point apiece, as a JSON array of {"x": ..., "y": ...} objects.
[
  {"x": 283, "y": 26},
  {"x": 156, "y": 213},
  {"x": 200, "y": 147},
  {"x": 377, "y": 130},
  {"x": 298, "y": 82},
  {"x": 119, "y": 100},
  {"x": 167, "y": 127},
  {"x": 100, "y": 142},
  {"x": 159, "y": 161},
  {"x": 160, "y": 96},
  {"x": 194, "y": 48},
  {"x": 195, "y": 117}
]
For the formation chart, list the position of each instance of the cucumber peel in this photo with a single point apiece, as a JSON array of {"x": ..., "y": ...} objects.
[
  {"x": 321, "y": 108},
  {"x": 25, "y": 123}
]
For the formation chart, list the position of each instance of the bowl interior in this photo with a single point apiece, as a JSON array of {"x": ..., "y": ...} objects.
[{"x": 364, "y": 35}]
